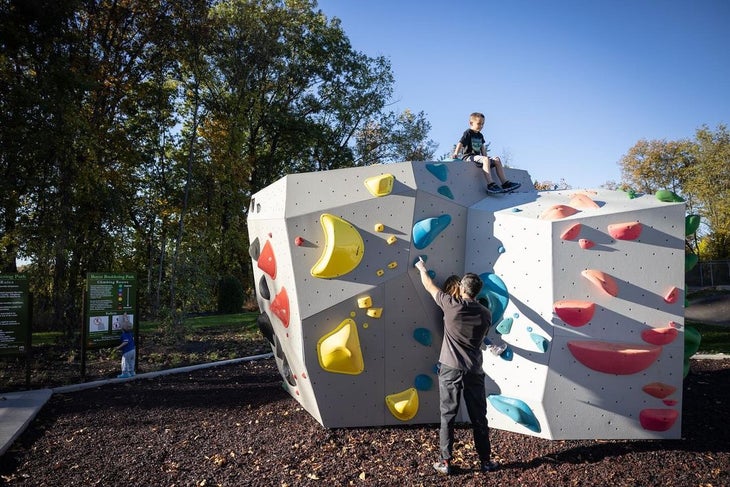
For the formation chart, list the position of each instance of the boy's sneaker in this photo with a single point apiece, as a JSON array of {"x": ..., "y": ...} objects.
[
  {"x": 442, "y": 467},
  {"x": 489, "y": 467},
  {"x": 510, "y": 186},
  {"x": 494, "y": 188}
]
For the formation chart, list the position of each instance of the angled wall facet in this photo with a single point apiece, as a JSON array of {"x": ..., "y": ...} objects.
[{"x": 592, "y": 303}]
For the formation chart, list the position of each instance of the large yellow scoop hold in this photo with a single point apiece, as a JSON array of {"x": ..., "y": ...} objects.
[
  {"x": 339, "y": 351},
  {"x": 343, "y": 248},
  {"x": 403, "y": 405}
]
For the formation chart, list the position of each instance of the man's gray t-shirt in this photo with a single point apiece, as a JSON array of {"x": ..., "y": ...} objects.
[{"x": 466, "y": 322}]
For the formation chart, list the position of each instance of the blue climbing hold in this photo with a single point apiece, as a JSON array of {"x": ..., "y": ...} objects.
[
  {"x": 423, "y": 336},
  {"x": 508, "y": 354},
  {"x": 540, "y": 341},
  {"x": 495, "y": 292},
  {"x": 422, "y": 382},
  {"x": 441, "y": 171},
  {"x": 505, "y": 326},
  {"x": 445, "y": 191},
  {"x": 517, "y": 410},
  {"x": 425, "y": 231}
]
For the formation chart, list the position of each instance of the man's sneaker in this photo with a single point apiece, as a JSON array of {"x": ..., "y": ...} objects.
[
  {"x": 497, "y": 349},
  {"x": 510, "y": 186},
  {"x": 494, "y": 188},
  {"x": 442, "y": 467},
  {"x": 489, "y": 467},
  {"x": 124, "y": 375}
]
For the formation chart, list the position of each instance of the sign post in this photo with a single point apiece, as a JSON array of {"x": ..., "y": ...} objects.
[
  {"x": 110, "y": 300},
  {"x": 15, "y": 318}
]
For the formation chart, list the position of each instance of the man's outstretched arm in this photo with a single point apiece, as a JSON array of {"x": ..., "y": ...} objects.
[{"x": 426, "y": 280}]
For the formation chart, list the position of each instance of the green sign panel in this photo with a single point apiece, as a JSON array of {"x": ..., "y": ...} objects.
[
  {"x": 14, "y": 314},
  {"x": 110, "y": 302}
]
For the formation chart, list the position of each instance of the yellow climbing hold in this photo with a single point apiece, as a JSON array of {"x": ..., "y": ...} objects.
[
  {"x": 380, "y": 272},
  {"x": 392, "y": 265},
  {"x": 375, "y": 312},
  {"x": 364, "y": 302},
  {"x": 392, "y": 239},
  {"x": 380, "y": 185},
  {"x": 343, "y": 248},
  {"x": 379, "y": 227},
  {"x": 339, "y": 351},
  {"x": 403, "y": 405}
]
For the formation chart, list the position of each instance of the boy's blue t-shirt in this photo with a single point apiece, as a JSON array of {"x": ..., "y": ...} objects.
[{"x": 128, "y": 337}]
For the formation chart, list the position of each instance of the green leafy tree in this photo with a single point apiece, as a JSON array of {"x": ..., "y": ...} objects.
[{"x": 651, "y": 165}]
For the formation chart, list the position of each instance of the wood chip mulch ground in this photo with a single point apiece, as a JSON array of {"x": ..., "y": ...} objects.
[{"x": 234, "y": 425}]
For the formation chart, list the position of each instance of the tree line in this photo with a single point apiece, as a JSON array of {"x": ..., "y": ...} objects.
[{"x": 134, "y": 133}]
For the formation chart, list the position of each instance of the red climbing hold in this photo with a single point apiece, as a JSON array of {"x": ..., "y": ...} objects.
[
  {"x": 571, "y": 232},
  {"x": 658, "y": 419},
  {"x": 267, "y": 261},
  {"x": 672, "y": 295},
  {"x": 299, "y": 241},
  {"x": 659, "y": 336},
  {"x": 574, "y": 313},
  {"x": 625, "y": 231},
  {"x": 556, "y": 212},
  {"x": 280, "y": 307},
  {"x": 586, "y": 244}
]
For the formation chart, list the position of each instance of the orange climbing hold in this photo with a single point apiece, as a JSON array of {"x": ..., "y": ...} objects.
[
  {"x": 571, "y": 232},
  {"x": 583, "y": 201},
  {"x": 672, "y": 295},
  {"x": 660, "y": 336},
  {"x": 614, "y": 358},
  {"x": 659, "y": 390},
  {"x": 625, "y": 231},
  {"x": 556, "y": 212},
  {"x": 658, "y": 419},
  {"x": 280, "y": 307},
  {"x": 267, "y": 261},
  {"x": 602, "y": 280},
  {"x": 573, "y": 312}
]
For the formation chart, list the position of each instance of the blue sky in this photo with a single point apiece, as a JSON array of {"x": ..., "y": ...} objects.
[{"x": 567, "y": 86}]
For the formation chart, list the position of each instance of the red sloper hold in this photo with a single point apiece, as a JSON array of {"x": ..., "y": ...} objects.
[
  {"x": 659, "y": 336},
  {"x": 614, "y": 358},
  {"x": 659, "y": 390},
  {"x": 583, "y": 201},
  {"x": 602, "y": 281},
  {"x": 556, "y": 212},
  {"x": 571, "y": 232},
  {"x": 280, "y": 307},
  {"x": 267, "y": 261},
  {"x": 574, "y": 312},
  {"x": 658, "y": 419},
  {"x": 625, "y": 231}
]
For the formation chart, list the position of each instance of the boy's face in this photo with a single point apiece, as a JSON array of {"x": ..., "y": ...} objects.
[{"x": 476, "y": 123}]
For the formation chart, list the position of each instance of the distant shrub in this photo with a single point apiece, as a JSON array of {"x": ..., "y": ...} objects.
[{"x": 230, "y": 295}]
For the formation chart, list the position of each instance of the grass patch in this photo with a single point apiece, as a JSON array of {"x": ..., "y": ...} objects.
[{"x": 715, "y": 338}]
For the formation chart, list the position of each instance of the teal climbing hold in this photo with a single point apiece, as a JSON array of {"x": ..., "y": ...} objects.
[
  {"x": 505, "y": 326},
  {"x": 445, "y": 191},
  {"x": 425, "y": 231},
  {"x": 508, "y": 354},
  {"x": 691, "y": 224},
  {"x": 495, "y": 292},
  {"x": 422, "y": 382},
  {"x": 540, "y": 341},
  {"x": 423, "y": 336},
  {"x": 517, "y": 410},
  {"x": 441, "y": 171}
]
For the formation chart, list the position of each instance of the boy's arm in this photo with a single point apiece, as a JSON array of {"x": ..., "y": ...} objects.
[
  {"x": 457, "y": 150},
  {"x": 426, "y": 279}
]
